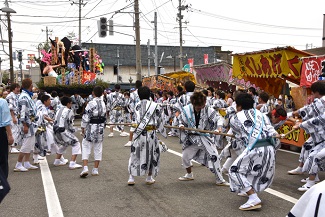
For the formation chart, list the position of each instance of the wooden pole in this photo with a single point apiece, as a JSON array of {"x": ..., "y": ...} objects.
[{"x": 198, "y": 130}]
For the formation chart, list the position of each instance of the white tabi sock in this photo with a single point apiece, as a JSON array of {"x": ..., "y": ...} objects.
[
  {"x": 310, "y": 183},
  {"x": 253, "y": 196},
  {"x": 26, "y": 164},
  {"x": 149, "y": 177},
  {"x": 72, "y": 163},
  {"x": 85, "y": 167},
  {"x": 19, "y": 164}
]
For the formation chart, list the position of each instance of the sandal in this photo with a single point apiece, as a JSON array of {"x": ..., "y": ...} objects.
[{"x": 250, "y": 206}]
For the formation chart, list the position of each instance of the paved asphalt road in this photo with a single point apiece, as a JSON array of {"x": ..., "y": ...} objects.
[{"x": 109, "y": 195}]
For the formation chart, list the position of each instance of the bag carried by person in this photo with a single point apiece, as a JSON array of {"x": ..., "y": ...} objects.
[{"x": 4, "y": 186}]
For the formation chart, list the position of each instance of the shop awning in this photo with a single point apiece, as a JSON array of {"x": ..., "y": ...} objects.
[
  {"x": 212, "y": 74},
  {"x": 269, "y": 69}
]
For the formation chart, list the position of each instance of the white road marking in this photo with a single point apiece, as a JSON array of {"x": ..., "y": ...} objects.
[
  {"x": 52, "y": 199},
  {"x": 281, "y": 195},
  {"x": 291, "y": 152},
  {"x": 268, "y": 190}
]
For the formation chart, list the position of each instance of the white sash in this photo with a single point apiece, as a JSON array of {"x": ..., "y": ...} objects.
[{"x": 145, "y": 120}]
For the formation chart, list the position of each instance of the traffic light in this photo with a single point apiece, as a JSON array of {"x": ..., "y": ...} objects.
[
  {"x": 102, "y": 27},
  {"x": 20, "y": 56}
]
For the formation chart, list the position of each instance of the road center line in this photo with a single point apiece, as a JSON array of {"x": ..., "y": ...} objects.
[{"x": 52, "y": 199}]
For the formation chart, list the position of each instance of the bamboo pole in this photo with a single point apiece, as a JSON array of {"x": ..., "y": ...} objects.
[
  {"x": 284, "y": 135},
  {"x": 198, "y": 130}
]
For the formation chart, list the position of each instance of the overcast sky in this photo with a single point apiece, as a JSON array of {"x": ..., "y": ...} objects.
[{"x": 236, "y": 25}]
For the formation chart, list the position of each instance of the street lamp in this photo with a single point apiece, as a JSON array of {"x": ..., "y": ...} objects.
[
  {"x": 8, "y": 11},
  {"x": 172, "y": 57}
]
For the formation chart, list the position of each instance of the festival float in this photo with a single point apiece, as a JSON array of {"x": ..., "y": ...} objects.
[
  {"x": 70, "y": 69},
  {"x": 168, "y": 81}
]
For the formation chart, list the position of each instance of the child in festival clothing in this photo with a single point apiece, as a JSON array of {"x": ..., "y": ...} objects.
[
  {"x": 44, "y": 134},
  {"x": 127, "y": 109},
  {"x": 145, "y": 150},
  {"x": 64, "y": 134},
  {"x": 92, "y": 126}
]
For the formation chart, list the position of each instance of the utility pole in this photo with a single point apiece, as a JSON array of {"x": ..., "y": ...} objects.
[
  {"x": 137, "y": 40},
  {"x": 148, "y": 46},
  {"x": 1, "y": 74},
  {"x": 179, "y": 18},
  {"x": 118, "y": 65},
  {"x": 47, "y": 34},
  {"x": 156, "y": 47},
  {"x": 81, "y": 3}
]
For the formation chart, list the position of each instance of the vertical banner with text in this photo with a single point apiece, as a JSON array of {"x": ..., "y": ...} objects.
[
  {"x": 191, "y": 63},
  {"x": 206, "y": 58},
  {"x": 311, "y": 69}
]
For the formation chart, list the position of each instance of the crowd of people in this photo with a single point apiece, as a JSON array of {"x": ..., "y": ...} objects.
[{"x": 242, "y": 124}]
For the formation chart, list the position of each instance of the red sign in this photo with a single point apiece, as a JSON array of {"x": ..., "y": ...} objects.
[
  {"x": 191, "y": 63},
  {"x": 311, "y": 69},
  {"x": 31, "y": 58},
  {"x": 206, "y": 58},
  {"x": 27, "y": 66},
  {"x": 88, "y": 77}
]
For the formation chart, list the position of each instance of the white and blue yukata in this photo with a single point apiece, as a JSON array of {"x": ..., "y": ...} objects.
[
  {"x": 127, "y": 110},
  {"x": 77, "y": 103},
  {"x": 264, "y": 108},
  {"x": 93, "y": 121},
  {"x": 317, "y": 138},
  {"x": 200, "y": 146},
  {"x": 115, "y": 107},
  {"x": 255, "y": 164},
  {"x": 64, "y": 131},
  {"x": 12, "y": 100},
  {"x": 27, "y": 114},
  {"x": 145, "y": 149},
  {"x": 182, "y": 101}
]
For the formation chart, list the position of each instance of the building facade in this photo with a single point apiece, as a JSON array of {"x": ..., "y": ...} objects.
[{"x": 123, "y": 58}]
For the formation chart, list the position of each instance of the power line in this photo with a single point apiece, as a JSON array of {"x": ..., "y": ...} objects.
[{"x": 248, "y": 22}]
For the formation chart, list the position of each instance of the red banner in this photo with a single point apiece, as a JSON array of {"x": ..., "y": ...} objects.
[
  {"x": 311, "y": 69},
  {"x": 206, "y": 58},
  {"x": 88, "y": 77},
  {"x": 191, "y": 63}
]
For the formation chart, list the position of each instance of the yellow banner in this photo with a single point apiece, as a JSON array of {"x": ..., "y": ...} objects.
[{"x": 268, "y": 64}]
